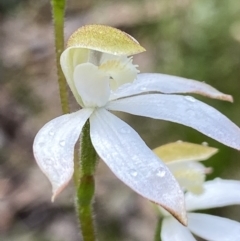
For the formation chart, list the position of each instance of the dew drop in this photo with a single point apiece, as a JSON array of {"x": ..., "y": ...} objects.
[
  {"x": 48, "y": 162},
  {"x": 161, "y": 172},
  {"x": 125, "y": 130},
  {"x": 204, "y": 143},
  {"x": 133, "y": 172},
  {"x": 180, "y": 192},
  {"x": 190, "y": 98},
  {"x": 190, "y": 112},
  {"x": 217, "y": 179},
  {"x": 51, "y": 133},
  {"x": 62, "y": 143},
  {"x": 41, "y": 144},
  {"x": 143, "y": 88}
]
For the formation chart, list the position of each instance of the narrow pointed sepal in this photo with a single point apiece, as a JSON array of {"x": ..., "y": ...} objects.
[
  {"x": 184, "y": 110},
  {"x": 53, "y": 147},
  {"x": 126, "y": 154},
  {"x": 169, "y": 84}
]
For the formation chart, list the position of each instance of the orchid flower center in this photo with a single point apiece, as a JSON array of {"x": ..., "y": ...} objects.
[
  {"x": 100, "y": 75},
  {"x": 190, "y": 175}
]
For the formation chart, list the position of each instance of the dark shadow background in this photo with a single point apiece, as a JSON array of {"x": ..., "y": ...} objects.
[{"x": 198, "y": 39}]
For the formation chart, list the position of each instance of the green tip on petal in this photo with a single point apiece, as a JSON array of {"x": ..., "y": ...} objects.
[
  {"x": 105, "y": 39},
  {"x": 184, "y": 151}
]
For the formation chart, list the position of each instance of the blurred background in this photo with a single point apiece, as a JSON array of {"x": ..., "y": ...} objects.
[{"x": 198, "y": 39}]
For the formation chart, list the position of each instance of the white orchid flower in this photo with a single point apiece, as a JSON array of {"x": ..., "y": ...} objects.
[
  {"x": 182, "y": 159},
  {"x": 103, "y": 79},
  {"x": 217, "y": 193}
]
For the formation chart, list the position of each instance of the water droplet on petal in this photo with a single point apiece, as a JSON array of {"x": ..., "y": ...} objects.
[
  {"x": 41, "y": 144},
  {"x": 51, "y": 133},
  {"x": 48, "y": 161},
  {"x": 204, "y": 143},
  {"x": 143, "y": 88},
  {"x": 218, "y": 179},
  {"x": 180, "y": 191},
  {"x": 190, "y": 98},
  {"x": 190, "y": 112},
  {"x": 133, "y": 172},
  {"x": 161, "y": 172},
  {"x": 125, "y": 130},
  {"x": 62, "y": 143}
]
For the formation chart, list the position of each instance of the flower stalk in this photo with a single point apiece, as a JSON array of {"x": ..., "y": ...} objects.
[
  {"x": 85, "y": 186},
  {"x": 84, "y": 171},
  {"x": 58, "y": 10},
  {"x": 157, "y": 235}
]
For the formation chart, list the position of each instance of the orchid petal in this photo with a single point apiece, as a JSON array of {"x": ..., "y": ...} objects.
[
  {"x": 217, "y": 193},
  {"x": 184, "y": 110},
  {"x": 168, "y": 84},
  {"x": 134, "y": 163},
  {"x": 53, "y": 147},
  {"x": 184, "y": 151},
  {"x": 172, "y": 230},
  {"x": 92, "y": 84},
  {"x": 213, "y": 228},
  {"x": 70, "y": 58}
]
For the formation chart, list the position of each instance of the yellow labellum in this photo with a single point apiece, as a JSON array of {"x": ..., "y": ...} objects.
[
  {"x": 105, "y": 39},
  {"x": 184, "y": 151}
]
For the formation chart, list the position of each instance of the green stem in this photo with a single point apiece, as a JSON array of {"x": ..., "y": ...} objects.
[
  {"x": 58, "y": 10},
  {"x": 86, "y": 187},
  {"x": 84, "y": 171},
  {"x": 157, "y": 236}
]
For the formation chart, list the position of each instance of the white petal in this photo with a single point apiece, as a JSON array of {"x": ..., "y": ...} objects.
[
  {"x": 134, "y": 163},
  {"x": 169, "y": 84},
  {"x": 53, "y": 147},
  {"x": 70, "y": 58},
  {"x": 217, "y": 193},
  {"x": 184, "y": 110},
  {"x": 213, "y": 228},
  {"x": 172, "y": 230},
  {"x": 92, "y": 85}
]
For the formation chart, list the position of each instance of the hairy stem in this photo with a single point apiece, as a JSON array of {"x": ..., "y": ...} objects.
[
  {"x": 58, "y": 10},
  {"x": 157, "y": 236},
  {"x": 86, "y": 187}
]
